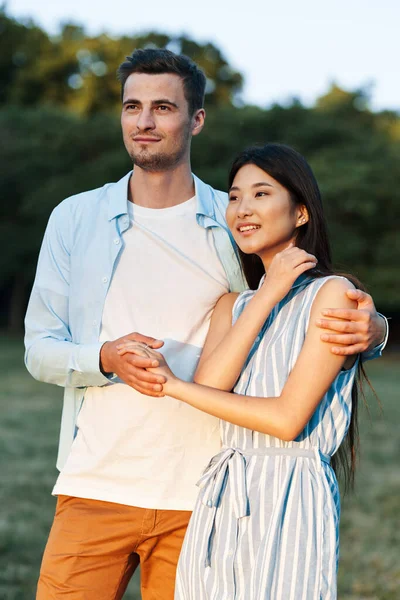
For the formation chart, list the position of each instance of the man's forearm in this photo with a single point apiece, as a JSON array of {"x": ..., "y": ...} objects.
[{"x": 64, "y": 363}]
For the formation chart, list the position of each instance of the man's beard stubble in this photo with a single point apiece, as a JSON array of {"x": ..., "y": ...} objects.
[
  {"x": 156, "y": 162},
  {"x": 161, "y": 161}
]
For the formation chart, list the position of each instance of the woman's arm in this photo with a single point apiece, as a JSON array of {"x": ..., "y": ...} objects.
[
  {"x": 284, "y": 416},
  {"x": 227, "y": 347},
  {"x": 226, "y": 351}
]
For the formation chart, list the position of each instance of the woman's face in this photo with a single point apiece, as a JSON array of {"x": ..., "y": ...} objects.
[{"x": 261, "y": 214}]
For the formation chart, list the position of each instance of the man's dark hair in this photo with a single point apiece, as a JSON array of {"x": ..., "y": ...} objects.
[{"x": 154, "y": 61}]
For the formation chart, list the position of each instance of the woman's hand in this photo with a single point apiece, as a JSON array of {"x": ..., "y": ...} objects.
[
  {"x": 142, "y": 349},
  {"x": 285, "y": 268}
]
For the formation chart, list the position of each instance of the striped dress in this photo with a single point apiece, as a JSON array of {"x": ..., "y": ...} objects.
[{"x": 265, "y": 525}]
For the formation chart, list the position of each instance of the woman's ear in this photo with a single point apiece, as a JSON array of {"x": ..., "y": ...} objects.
[{"x": 302, "y": 216}]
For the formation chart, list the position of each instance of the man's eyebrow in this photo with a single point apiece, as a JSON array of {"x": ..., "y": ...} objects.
[
  {"x": 164, "y": 101},
  {"x": 158, "y": 102},
  {"x": 131, "y": 101}
]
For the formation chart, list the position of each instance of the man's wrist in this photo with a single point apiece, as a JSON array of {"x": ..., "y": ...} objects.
[
  {"x": 383, "y": 324},
  {"x": 103, "y": 361}
]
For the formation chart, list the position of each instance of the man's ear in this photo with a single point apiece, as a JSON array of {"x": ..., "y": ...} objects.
[{"x": 198, "y": 121}]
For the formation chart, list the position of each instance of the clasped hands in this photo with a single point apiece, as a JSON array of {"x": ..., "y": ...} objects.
[{"x": 136, "y": 360}]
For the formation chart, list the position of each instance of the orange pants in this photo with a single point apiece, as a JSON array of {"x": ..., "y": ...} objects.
[{"x": 94, "y": 548}]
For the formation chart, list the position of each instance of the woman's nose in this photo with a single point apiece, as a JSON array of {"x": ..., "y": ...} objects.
[{"x": 244, "y": 208}]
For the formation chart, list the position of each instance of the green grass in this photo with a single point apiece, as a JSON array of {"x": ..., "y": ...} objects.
[{"x": 29, "y": 426}]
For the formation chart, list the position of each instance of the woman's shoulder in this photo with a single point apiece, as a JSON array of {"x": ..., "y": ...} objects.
[
  {"x": 333, "y": 283},
  {"x": 330, "y": 292}
]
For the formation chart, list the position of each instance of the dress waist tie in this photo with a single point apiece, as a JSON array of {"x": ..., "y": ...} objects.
[{"x": 232, "y": 461}]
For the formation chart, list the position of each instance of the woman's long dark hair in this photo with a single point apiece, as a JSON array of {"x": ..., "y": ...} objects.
[{"x": 293, "y": 172}]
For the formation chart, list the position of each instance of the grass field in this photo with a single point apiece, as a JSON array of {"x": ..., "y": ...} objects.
[{"x": 29, "y": 426}]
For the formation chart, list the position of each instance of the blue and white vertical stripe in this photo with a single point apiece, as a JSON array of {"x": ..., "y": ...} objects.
[{"x": 265, "y": 525}]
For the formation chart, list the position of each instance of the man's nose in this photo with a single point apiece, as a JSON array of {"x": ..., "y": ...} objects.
[{"x": 145, "y": 120}]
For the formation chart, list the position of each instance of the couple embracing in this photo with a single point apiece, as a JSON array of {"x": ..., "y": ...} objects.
[{"x": 242, "y": 377}]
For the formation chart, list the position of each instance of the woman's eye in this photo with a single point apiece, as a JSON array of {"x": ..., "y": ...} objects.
[
  {"x": 163, "y": 108},
  {"x": 231, "y": 198},
  {"x": 260, "y": 194}
]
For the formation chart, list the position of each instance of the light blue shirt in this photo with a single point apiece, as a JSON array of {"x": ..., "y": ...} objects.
[{"x": 79, "y": 254}]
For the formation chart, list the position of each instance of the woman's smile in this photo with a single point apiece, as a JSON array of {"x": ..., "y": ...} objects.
[{"x": 247, "y": 229}]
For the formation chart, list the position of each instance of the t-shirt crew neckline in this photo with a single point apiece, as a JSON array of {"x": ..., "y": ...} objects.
[{"x": 170, "y": 211}]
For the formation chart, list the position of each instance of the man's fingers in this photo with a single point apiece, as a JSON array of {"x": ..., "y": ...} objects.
[
  {"x": 156, "y": 344},
  {"x": 340, "y": 326},
  {"x": 359, "y": 295},
  {"x": 348, "y": 350},
  {"x": 349, "y": 314},
  {"x": 348, "y": 339}
]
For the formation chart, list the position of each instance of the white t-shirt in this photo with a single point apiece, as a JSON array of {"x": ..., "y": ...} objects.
[{"x": 131, "y": 448}]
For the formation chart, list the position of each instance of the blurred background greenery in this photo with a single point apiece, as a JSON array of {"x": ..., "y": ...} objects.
[
  {"x": 60, "y": 135},
  {"x": 29, "y": 425}
]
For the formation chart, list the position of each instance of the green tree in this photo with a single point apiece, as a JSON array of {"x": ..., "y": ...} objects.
[
  {"x": 78, "y": 72},
  {"x": 45, "y": 156}
]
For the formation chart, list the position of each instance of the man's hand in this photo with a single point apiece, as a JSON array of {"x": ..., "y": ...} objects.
[
  {"x": 131, "y": 368},
  {"x": 356, "y": 330}
]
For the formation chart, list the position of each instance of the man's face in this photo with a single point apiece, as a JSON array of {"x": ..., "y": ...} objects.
[{"x": 156, "y": 124}]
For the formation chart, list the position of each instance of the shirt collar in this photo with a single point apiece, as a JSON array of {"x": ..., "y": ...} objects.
[
  {"x": 118, "y": 197},
  {"x": 204, "y": 198}
]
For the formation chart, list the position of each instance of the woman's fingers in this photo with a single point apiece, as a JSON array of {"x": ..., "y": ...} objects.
[
  {"x": 296, "y": 256},
  {"x": 144, "y": 376},
  {"x": 302, "y": 257},
  {"x": 136, "y": 351},
  {"x": 306, "y": 266},
  {"x": 134, "y": 347}
]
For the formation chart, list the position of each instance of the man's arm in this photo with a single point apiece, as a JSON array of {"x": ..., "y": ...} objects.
[
  {"x": 51, "y": 354},
  {"x": 355, "y": 331}
]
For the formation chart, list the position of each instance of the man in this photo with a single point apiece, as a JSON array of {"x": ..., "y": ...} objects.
[{"x": 152, "y": 254}]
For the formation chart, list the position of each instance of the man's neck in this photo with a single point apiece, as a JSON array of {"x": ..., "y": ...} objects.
[{"x": 163, "y": 189}]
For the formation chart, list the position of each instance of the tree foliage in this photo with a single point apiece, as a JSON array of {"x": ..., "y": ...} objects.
[
  {"x": 77, "y": 72},
  {"x": 60, "y": 133}
]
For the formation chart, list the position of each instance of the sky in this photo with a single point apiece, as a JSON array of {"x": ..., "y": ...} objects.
[{"x": 284, "y": 48}]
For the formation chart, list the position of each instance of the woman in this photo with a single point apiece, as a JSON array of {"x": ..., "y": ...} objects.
[{"x": 265, "y": 525}]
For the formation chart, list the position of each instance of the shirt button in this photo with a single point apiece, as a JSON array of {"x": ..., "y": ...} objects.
[
  {"x": 209, "y": 503},
  {"x": 116, "y": 241},
  {"x": 258, "y": 338},
  {"x": 105, "y": 279}
]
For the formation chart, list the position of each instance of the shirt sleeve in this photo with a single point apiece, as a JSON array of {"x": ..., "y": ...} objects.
[
  {"x": 377, "y": 351},
  {"x": 50, "y": 353}
]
